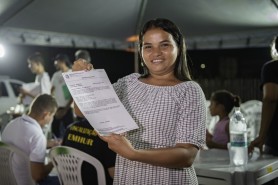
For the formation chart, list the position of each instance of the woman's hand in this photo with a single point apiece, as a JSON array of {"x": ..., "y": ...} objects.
[
  {"x": 120, "y": 145},
  {"x": 82, "y": 64}
]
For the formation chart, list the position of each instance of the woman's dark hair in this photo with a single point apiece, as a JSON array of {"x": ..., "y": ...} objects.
[
  {"x": 226, "y": 98},
  {"x": 181, "y": 70}
]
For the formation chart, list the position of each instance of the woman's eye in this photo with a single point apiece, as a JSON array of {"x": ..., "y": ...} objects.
[
  {"x": 165, "y": 45},
  {"x": 147, "y": 47}
]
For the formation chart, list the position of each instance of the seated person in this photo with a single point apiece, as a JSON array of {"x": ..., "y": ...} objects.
[
  {"x": 221, "y": 104},
  {"x": 25, "y": 132},
  {"x": 82, "y": 136}
]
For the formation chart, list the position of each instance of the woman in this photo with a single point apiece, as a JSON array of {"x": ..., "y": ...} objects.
[{"x": 168, "y": 107}]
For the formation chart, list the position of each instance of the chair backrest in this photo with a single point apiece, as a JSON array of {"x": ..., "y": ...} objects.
[
  {"x": 7, "y": 153},
  {"x": 252, "y": 111},
  {"x": 68, "y": 162},
  {"x": 211, "y": 120}
]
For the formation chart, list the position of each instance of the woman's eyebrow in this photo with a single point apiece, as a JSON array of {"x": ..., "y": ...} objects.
[{"x": 163, "y": 41}]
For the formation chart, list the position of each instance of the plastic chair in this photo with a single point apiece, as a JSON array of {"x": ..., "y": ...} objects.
[
  {"x": 252, "y": 111},
  {"x": 211, "y": 120},
  {"x": 68, "y": 162},
  {"x": 7, "y": 153}
]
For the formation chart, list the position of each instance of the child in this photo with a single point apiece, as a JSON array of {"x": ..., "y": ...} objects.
[{"x": 221, "y": 104}]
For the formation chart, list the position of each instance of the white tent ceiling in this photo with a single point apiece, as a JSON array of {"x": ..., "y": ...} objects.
[{"x": 108, "y": 23}]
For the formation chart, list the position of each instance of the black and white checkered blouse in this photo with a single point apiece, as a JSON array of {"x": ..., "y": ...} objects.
[{"x": 166, "y": 115}]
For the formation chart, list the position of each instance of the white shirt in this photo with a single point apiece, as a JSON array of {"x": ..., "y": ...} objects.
[
  {"x": 61, "y": 92},
  {"x": 44, "y": 81},
  {"x": 26, "y": 134}
]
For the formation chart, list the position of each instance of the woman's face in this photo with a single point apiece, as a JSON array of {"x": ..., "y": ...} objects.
[{"x": 159, "y": 51}]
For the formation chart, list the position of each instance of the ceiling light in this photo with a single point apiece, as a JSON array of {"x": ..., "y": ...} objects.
[
  {"x": 133, "y": 38},
  {"x": 2, "y": 51}
]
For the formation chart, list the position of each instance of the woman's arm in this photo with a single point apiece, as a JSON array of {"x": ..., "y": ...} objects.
[{"x": 180, "y": 156}]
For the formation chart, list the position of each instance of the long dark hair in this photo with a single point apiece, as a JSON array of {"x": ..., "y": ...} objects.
[{"x": 181, "y": 70}]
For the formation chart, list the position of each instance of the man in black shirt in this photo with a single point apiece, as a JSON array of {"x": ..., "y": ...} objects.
[{"x": 82, "y": 136}]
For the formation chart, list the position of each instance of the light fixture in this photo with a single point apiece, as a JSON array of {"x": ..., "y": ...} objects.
[
  {"x": 73, "y": 43},
  {"x": 48, "y": 39},
  {"x": 22, "y": 38},
  {"x": 2, "y": 51},
  {"x": 94, "y": 45},
  {"x": 133, "y": 38}
]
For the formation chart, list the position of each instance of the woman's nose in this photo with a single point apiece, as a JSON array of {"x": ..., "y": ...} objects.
[{"x": 157, "y": 51}]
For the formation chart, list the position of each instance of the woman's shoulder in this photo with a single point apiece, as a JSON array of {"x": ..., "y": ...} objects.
[
  {"x": 128, "y": 78},
  {"x": 189, "y": 89},
  {"x": 189, "y": 85}
]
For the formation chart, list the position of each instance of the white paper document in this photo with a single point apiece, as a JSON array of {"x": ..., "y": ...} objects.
[
  {"x": 33, "y": 88},
  {"x": 99, "y": 103}
]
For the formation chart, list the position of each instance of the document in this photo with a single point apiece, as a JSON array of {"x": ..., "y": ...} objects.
[
  {"x": 94, "y": 95},
  {"x": 33, "y": 88}
]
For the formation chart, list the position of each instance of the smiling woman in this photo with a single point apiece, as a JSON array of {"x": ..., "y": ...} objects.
[{"x": 2, "y": 50}]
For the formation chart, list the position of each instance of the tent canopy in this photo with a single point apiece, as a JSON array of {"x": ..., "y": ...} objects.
[{"x": 109, "y": 23}]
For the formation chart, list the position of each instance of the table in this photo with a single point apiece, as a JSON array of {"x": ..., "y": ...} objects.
[{"x": 212, "y": 168}]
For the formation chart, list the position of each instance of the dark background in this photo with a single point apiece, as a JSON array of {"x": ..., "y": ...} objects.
[{"x": 237, "y": 70}]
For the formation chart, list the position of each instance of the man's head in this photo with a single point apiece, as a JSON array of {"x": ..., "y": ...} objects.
[
  {"x": 36, "y": 63},
  {"x": 43, "y": 109},
  {"x": 62, "y": 61},
  {"x": 82, "y": 54}
]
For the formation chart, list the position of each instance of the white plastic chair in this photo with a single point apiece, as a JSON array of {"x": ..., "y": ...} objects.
[
  {"x": 211, "y": 120},
  {"x": 7, "y": 176},
  {"x": 252, "y": 111},
  {"x": 68, "y": 162}
]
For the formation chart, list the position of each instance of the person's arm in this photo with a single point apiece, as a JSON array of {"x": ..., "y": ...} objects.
[
  {"x": 180, "y": 156},
  {"x": 40, "y": 170},
  {"x": 270, "y": 98},
  {"x": 212, "y": 144},
  {"x": 24, "y": 93},
  {"x": 111, "y": 172},
  {"x": 52, "y": 90},
  {"x": 208, "y": 134}
]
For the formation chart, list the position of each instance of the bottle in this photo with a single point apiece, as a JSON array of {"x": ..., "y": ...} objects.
[{"x": 238, "y": 139}]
